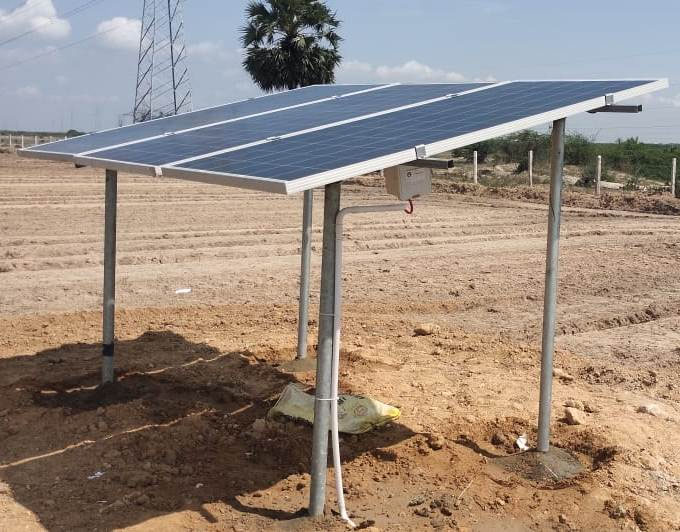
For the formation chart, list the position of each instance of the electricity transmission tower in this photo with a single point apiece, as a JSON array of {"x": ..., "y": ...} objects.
[{"x": 163, "y": 87}]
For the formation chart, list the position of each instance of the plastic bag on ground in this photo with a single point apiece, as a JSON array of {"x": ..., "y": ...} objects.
[{"x": 356, "y": 414}]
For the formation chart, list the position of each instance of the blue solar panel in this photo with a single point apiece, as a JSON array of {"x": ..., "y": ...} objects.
[
  {"x": 197, "y": 118},
  {"x": 312, "y": 153},
  {"x": 171, "y": 148}
]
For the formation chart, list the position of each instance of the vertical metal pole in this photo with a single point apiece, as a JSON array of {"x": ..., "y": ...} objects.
[
  {"x": 317, "y": 497},
  {"x": 531, "y": 168},
  {"x": 474, "y": 166},
  {"x": 10, "y": 142},
  {"x": 22, "y": 142},
  {"x": 673, "y": 173},
  {"x": 36, "y": 141},
  {"x": 599, "y": 175},
  {"x": 550, "y": 296},
  {"x": 110, "y": 200},
  {"x": 305, "y": 259}
]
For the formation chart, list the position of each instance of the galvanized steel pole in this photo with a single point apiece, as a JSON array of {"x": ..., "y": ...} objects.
[
  {"x": 317, "y": 497},
  {"x": 306, "y": 257},
  {"x": 531, "y": 168},
  {"x": 109, "y": 274},
  {"x": 598, "y": 186},
  {"x": 550, "y": 296}
]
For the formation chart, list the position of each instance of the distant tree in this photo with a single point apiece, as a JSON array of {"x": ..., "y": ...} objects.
[{"x": 290, "y": 43}]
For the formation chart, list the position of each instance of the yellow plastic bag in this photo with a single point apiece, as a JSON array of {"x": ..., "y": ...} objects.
[{"x": 356, "y": 414}]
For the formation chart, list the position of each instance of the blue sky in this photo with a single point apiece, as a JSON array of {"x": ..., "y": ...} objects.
[{"x": 88, "y": 85}]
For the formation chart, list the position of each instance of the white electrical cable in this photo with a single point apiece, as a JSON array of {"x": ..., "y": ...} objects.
[{"x": 335, "y": 372}]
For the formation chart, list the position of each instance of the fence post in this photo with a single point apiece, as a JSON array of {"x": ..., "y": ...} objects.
[
  {"x": 36, "y": 141},
  {"x": 474, "y": 167},
  {"x": 599, "y": 175},
  {"x": 10, "y": 141},
  {"x": 673, "y": 172},
  {"x": 531, "y": 168},
  {"x": 22, "y": 142}
]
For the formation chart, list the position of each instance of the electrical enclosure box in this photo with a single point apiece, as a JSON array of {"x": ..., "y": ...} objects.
[{"x": 408, "y": 182}]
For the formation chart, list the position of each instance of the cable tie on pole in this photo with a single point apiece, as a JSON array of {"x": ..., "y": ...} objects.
[{"x": 326, "y": 398}]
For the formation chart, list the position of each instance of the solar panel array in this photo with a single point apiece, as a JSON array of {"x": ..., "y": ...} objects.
[{"x": 308, "y": 137}]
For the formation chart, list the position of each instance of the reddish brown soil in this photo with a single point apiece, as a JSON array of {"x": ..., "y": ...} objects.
[{"x": 174, "y": 437}]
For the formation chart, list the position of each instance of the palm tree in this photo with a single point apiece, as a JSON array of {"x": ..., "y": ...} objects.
[{"x": 290, "y": 43}]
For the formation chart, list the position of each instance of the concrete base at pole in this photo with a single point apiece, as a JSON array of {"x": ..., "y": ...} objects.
[
  {"x": 109, "y": 310},
  {"x": 317, "y": 497},
  {"x": 550, "y": 297}
]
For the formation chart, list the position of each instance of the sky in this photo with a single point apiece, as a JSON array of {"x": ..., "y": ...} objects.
[{"x": 63, "y": 66}]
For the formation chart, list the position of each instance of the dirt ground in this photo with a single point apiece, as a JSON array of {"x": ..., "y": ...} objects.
[{"x": 172, "y": 445}]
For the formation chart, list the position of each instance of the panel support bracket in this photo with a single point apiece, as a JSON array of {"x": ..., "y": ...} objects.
[
  {"x": 617, "y": 109},
  {"x": 432, "y": 162}
]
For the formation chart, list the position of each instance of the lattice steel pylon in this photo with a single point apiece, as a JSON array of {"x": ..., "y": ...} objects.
[{"x": 163, "y": 86}]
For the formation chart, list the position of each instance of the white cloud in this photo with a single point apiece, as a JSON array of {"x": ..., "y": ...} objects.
[
  {"x": 213, "y": 51},
  {"x": 120, "y": 33},
  {"x": 38, "y": 16},
  {"x": 673, "y": 100},
  {"x": 29, "y": 91},
  {"x": 410, "y": 71}
]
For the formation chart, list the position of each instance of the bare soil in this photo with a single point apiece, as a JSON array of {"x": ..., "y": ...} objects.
[{"x": 172, "y": 446}]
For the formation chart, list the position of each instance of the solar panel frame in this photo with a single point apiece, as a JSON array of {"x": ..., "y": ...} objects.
[{"x": 317, "y": 179}]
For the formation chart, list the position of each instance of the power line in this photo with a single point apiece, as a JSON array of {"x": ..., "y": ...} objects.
[
  {"x": 75, "y": 11},
  {"x": 64, "y": 47}
]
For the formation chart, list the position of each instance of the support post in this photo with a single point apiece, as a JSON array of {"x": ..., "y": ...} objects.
[
  {"x": 550, "y": 296},
  {"x": 305, "y": 259},
  {"x": 673, "y": 174},
  {"x": 110, "y": 206},
  {"x": 22, "y": 142},
  {"x": 474, "y": 167},
  {"x": 11, "y": 145},
  {"x": 36, "y": 141},
  {"x": 531, "y": 168},
  {"x": 322, "y": 407},
  {"x": 598, "y": 186}
]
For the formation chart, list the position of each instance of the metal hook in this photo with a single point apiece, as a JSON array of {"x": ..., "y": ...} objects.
[{"x": 410, "y": 208}]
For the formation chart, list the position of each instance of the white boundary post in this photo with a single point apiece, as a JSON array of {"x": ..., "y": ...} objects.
[
  {"x": 10, "y": 141},
  {"x": 673, "y": 173},
  {"x": 531, "y": 168},
  {"x": 550, "y": 296},
  {"x": 36, "y": 141},
  {"x": 474, "y": 167},
  {"x": 23, "y": 145},
  {"x": 305, "y": 260},
  {"x": 598, "y": 186}
]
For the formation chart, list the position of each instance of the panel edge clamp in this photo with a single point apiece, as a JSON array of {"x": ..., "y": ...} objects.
[
  {"x": 158, "y": 171},
  {"x": 421, "y": 151}
]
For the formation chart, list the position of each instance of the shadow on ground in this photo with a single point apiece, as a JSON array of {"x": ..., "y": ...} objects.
[{"x": 175, "y": 432}]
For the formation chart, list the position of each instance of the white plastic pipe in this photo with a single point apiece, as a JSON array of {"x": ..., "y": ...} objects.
[{"x": 337, "y": 315}]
